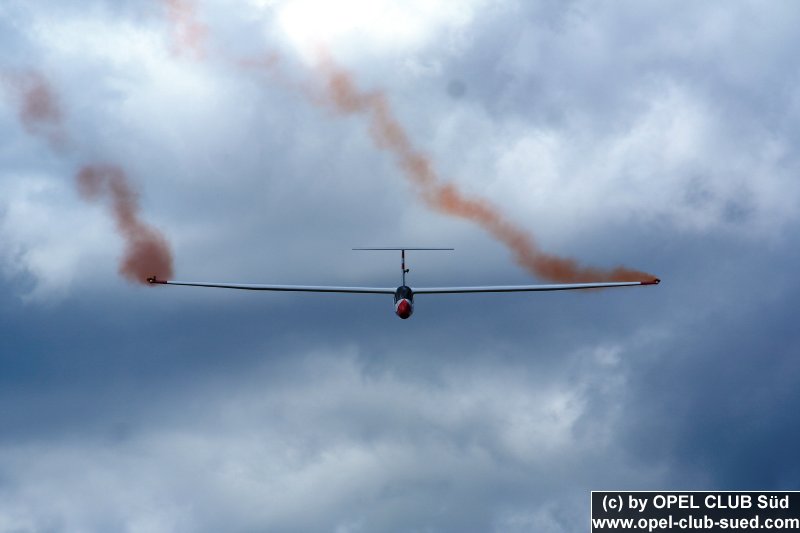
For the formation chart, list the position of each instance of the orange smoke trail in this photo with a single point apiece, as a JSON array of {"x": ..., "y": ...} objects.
[
  {"x": 188, "y": 34},
  {"x": 146, "y": 250},
  {"x": 388, "y": 134},
  {"x": 38, "y": 106}
]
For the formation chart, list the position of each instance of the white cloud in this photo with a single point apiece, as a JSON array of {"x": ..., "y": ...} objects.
[
  {"x": 354, "y": 28},
  {"x": 676, "y": 158}
]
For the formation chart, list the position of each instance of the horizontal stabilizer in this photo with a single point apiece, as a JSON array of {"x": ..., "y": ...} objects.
[{"x": 401, "y": 248}]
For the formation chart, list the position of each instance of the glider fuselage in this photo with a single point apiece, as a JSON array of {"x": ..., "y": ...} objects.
[{"x": 404, "y": 301}]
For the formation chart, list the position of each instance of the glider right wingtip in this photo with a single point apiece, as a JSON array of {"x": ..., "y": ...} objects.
[{"x": 654, "y": 281}]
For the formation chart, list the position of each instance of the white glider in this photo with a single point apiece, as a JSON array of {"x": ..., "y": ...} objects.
[{"x": 404, "y": 295}]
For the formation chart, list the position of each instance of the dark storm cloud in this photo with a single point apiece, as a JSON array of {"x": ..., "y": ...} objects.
[
  {"x": 618, "y": 133},
  {"x": 718, "y": 401},
  {"x": 369, "y": 410},
  {"x": 363, "y": 392}
]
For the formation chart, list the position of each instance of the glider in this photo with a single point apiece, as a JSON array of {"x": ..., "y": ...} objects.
[{"x": 404, "y": 295}]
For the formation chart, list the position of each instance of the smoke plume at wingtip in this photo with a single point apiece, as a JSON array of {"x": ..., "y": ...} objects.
[
  {"x": 147, "y": 252},
  {"x": 387, "y": 133}
]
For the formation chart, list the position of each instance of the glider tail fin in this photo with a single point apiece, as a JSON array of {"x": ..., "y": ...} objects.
[{"x": 402, "y": 254}]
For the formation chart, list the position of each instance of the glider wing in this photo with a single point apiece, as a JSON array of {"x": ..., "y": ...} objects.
[
  {"x": 287, "y": 288},
  {"x": 531, "y": 288}
]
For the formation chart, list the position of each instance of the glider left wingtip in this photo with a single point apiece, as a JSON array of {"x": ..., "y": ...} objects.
[{"x": 153, "y": 279}]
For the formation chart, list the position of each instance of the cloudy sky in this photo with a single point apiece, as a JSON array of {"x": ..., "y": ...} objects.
[{"x": 659, "y": 136}]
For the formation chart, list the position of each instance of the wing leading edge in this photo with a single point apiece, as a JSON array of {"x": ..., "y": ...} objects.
[{"x": 391, "y": 290}]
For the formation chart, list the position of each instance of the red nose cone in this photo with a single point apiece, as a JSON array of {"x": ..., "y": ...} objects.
[{"x": 403, "y": 309}]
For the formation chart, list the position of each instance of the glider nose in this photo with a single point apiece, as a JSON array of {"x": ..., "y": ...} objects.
[{"x": 403, "y": 309}]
